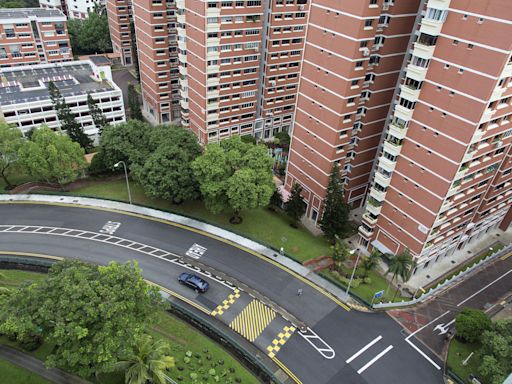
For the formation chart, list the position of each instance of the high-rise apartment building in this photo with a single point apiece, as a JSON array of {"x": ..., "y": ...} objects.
[
  {"x": 74, "y": 9},
  {"x": 33, "y": 36},
  {"x": 119, "y": 13},
  {"x": 155, "y": 26},
  {"x": 229, "y": 67},
  {"x": 353, "y": 55},
  {"x": 443, "y": 175}
]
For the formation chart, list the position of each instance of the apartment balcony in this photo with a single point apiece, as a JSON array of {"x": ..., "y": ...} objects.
[
  {"x": 461, "y": 172},
  {"x": 182, "y": 45},
  {"x": 409, "y": 93},
  {"x": 374, "y": 209},
  {"x": 365, "y": 232},
  {"x": 439, "y": 4},
  {"x": 213, "y": 27},
  {"x": 392, "y": 148},
  {"x": 213, "y": 69},
  {"x": 453, "y": 190},
  {"x": 403, "y": 112},
  {"x": 468, "y": 156},
  {"x": 487, "y": 115},
  {"x": 182, "y": 58},
  {"x": 477, "y": 136},
  {"x": 382, "y": 180},
  {"x": 377, "y": 195},
  {"x": 416, "y": 73},
  {"x": 213, "y": 82},
  {"x": 369, "y": 219},
  {"x": 213, "y": 105},
  {"x": 180, "y": 4},
  {"x": 507, "y": 71},
  {"x": 386, "y": 164},
  {"x": 431, "y": 27},
  {"x": 423, "y": 51},
  {"x": 497, "y": 93},
  {"x": 397, "y": 131},
  {"x": 180, "y": 19},
  {"x": 213, "y": 12}
]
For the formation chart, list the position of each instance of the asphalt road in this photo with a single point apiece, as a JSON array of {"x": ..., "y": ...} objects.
[{"x": 340, "y": 346}]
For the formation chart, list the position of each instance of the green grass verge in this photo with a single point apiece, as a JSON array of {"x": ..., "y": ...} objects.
[
  {"x": 12, "y": 278},
  {"x": 262, "y": 225},
  {"x": 457, "y": 353},
  {"x": 12, "y": 374},
  {"x": 182, "y": 338}
]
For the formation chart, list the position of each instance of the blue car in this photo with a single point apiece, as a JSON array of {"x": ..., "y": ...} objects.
[{"x": 194, "y": 282}]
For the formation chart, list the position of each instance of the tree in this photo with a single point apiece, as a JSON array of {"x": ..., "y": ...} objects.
[
  {"x": 91, "y": 314},
  {"x": 135, "y": 55},
  {"x": 471, "y": 323},
  {"x": 276, "y": 200},
  {"x": 128, "y": 141},
  {"x": 19, "y": 4},
  {"x": 148, "y": 362},
  {"x": 295, "y": 207},
  {"x": 11, "y": 141},
  {"x": 497, "y": 352},
  {"x": 335, "y": 217},
  {"x": 67, "y": 119},
  {"x": 400, "y": 266},
  {"x": 234, "y": 175},
  {"x": 370, "y": 262},
  {"x": 340, "y": 252},
  {"x": 134, "y": 103},
  {"x": 99, "y": 119},
  {"x": 91, "y": 35},
  {"x": 52, "y": 157},
  {"x": 167, "y": 172}
]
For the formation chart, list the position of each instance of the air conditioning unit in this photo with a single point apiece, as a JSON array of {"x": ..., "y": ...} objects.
[{"x": 272, "y": 83}]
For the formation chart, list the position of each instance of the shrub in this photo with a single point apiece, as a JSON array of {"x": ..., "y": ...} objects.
[
  {"x": 470, "y": 324},
  {"x": 98, "y": 166}
]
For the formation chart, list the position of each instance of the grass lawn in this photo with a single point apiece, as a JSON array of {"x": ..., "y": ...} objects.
[
  {"x": 262, "y": 225},
  {"x": 12, "y": 278},
  {"x": 12, "y": 374},
  {"x": 206, "y": 354},
  {"x": 457, "y": 353}
]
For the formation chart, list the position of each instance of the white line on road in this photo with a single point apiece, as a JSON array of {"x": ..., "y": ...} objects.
[
  {"x": 484, "y": 288},
  {"x": 355, "y": 355},
  {"x": 323, "y": 348},
  {"x": 368, "y": 364}
]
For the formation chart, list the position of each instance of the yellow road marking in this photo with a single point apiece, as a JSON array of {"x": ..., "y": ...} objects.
[
  {"x": 503, "y": 258},
  {"x": 288, "y": 372},
  {"x": 44, "y": 256},
  {"x": 199, "y": 231},
  {"x": 280, "y": 340},
  {"x": 226, "y": 303},
  {"x": 253, "y": 320}
]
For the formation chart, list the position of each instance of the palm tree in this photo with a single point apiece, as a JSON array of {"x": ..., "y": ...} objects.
[
  {"x": 148, "y": 363},
  {"x": 400, "y": 266},
  {"x": 369, "y": 263}
]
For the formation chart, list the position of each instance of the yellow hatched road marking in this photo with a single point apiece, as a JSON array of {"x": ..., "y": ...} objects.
[
  {"x": 226, "y": 303},
  {"x": 253, "y": 320},
  {"x": 280, "y": 340},
  {"x": 503, "y": 258}
]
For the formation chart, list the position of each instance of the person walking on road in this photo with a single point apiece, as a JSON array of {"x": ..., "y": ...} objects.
[{"x": 299, "y": 292}]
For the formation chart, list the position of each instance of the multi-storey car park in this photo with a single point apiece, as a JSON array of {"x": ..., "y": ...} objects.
[
  {"x": 32, "y": 36},
  {"x": 25, "y": 101},
  {"x": 443, "y": 175}
]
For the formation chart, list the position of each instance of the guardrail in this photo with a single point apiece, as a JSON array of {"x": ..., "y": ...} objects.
[{"x": 434, "y": 290}]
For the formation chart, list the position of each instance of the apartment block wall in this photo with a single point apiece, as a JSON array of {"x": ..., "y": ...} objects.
[
  {"x": 443, "y": 176},
  {"x": 27, "y": 39},
  {"x": 74, "y": 9},
  {"x": 119, "y": 13},
  {"x": 353, "y": 54}
]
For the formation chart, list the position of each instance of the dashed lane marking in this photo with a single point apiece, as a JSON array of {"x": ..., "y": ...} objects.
[
  {"x": 355, "y": 355},
  {"x": 226, "y": 303},
  {"x": 251, "y": 322},
  {"x": 280, "y": 340},
  {"x": 195, "y": 230},
  {"x": 318, "y": 343},
  {"x": 368, "y": 364}
]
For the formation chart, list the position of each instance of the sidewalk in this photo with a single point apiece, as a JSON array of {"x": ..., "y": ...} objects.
[
  {"x": 32, "y": 364},
  {"x": 424, "y": 276}
]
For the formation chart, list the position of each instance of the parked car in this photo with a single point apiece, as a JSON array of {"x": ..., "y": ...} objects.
[{"x": 194, "y": 282}]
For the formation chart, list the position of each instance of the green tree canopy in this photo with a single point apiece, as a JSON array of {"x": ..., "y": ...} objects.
[
  {"x": 92, "y": 314},
  {"x": 11, "y": 141},
  {"x": 370, "y": 262},
  {"x": 148, "y": 362},
  {"x": 340, "y": 251},
  {"x": 234, "y": 175},
  {"x": 336, "y": 211},
  {"x": 52, "y": 157},
  {"x": 295, "y": 207},
  {"x": 98, "y": 118},
  {"x": 471, "y": 323},
  {"x": 497, "y": 352},
  {"x": 167, "y": 172},
  {"x": 134, "y": 103},
  {"x": 91, "y": 35}
]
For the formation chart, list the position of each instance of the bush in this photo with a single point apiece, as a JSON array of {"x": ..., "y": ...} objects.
[
  {"x": 249, "y": 139},
  {"x": 30, "y": 342},
  {"x": 367, "y": 280},
  {"x": 470, "y": 324},
  {"x": 98, "y": 166}
]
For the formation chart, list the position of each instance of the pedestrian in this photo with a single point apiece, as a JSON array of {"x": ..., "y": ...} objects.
[{"x": 299, "y": 292}]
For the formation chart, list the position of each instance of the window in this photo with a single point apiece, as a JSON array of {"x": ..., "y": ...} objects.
[
  {"x": 436, "y": 14},
  {"x": 212, "y": 20},
  {"x": 368, "y": 23}
]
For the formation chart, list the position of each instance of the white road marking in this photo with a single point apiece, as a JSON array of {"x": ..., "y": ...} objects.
[
  {"x": 323, "y": 348},
  {"x": 484, "y": 288},
  {"x": 110, "y": 227},
  {"x": 196, "y": 251},
  {"x": 355, "y": 355},
  {"x": 443, "y": 328},
  {"x": 368, "y": 364}
]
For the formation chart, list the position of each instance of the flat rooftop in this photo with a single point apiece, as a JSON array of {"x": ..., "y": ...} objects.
[
  {"x": 31, "y": 84},
  {"x": 20, "y": 13}
]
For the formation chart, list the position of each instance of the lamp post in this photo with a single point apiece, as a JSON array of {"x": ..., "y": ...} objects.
[
  {"x": 354, "y": 270},
  {"x": 116, "y": 165}
]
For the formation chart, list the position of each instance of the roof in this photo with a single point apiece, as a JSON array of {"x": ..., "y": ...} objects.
[
  {"x": 31, "y": 83},
  {"x": 21, "y": 13},
  {"x": 100, "y": 60}
]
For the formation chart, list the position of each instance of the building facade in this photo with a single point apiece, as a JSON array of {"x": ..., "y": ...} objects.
[
  {"x": 73, "y": 9},
  {"x": 25, "y": 101},
  {"x": 33, "y": 36},
  {"x": 443, "y": 174},
  {"x": 353, "y": 55},
  {"x": 119, "y": 13}
]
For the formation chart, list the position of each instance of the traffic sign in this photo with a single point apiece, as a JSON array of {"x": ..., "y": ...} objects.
[{"x": 378, "y": 294}]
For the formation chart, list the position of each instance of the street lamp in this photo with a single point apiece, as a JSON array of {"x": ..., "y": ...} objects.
[
  {"x": 116, "y": 165},
  {"x": 354, "y": 270}
]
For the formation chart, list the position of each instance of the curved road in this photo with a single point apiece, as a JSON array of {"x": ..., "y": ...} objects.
[{"x": 339, "y": 346}]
